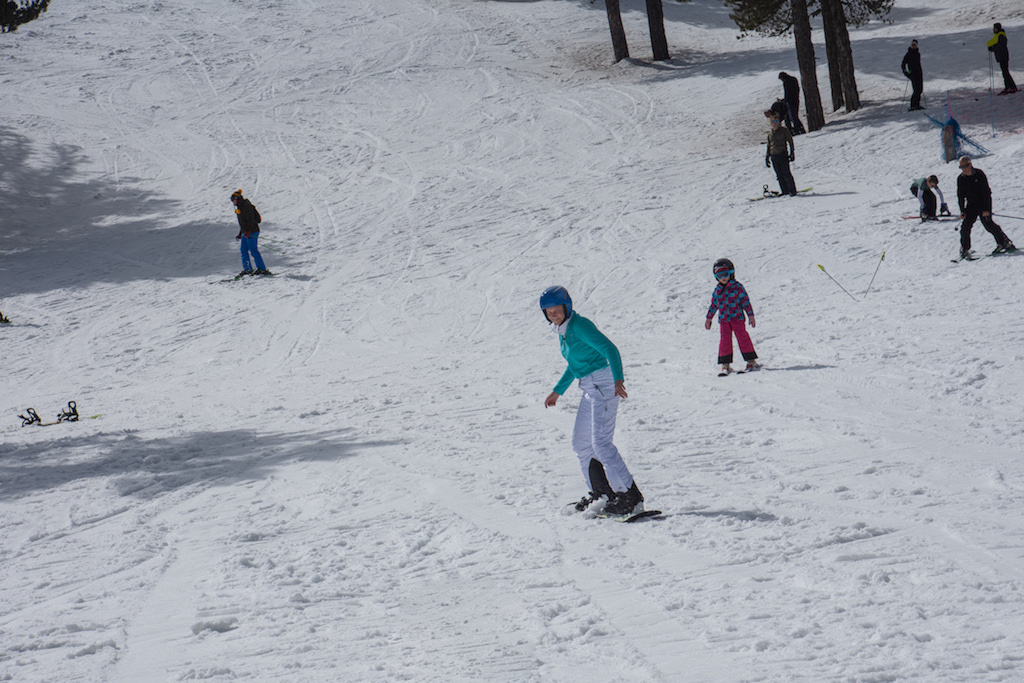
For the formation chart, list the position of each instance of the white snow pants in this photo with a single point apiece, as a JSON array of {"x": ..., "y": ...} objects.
[{"x": 595, "y": 427}]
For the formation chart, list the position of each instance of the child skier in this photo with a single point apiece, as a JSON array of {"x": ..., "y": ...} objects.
[
  {"x": 730, "y": 300},
  {"x": 925, "y": 190},
  {"x": 594, "y": 361}
]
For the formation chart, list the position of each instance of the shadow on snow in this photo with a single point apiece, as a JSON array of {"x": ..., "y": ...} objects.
[
  {"x": 145, "y": 468},
  {"x": 64, "y": 228}
]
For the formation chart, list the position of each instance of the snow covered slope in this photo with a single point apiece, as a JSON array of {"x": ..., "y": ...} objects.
[{"x": 346, "y": 472}]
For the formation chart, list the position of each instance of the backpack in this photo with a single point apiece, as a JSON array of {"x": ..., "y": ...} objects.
[{"x": 259, "y": 219}]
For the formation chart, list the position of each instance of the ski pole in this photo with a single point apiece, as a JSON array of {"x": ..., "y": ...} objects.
[
  {"x": 876, "y": 273},
  {"x": 834, "y": 280},
  {"x": 904, "y": 98},
  {"x": 1003, "y": 215}
]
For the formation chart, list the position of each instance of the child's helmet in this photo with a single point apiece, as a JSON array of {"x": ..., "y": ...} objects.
[
  {"x": 724, "y": 265},
  {"x": 555, "y": 296}
]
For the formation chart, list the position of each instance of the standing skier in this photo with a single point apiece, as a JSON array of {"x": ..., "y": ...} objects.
[
  {"x": 791, "y": 89},
  {"x": 593, "y": 360},
  {"x": 780, "y": 151},
  {"x": 975, "y": 198},
  {"x": 248, "y": 232},
  {"x": 731, "y": 301},
  {"x": 924, "y": 189},
  {"x": 912, "y": 69},
  {"x": 997, "y": 46}
]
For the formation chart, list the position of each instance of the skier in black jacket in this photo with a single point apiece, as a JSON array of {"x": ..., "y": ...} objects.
[
  {"x": 975, "y": 199},
  {"x": 912, "y": 69},
  {"x": 248, "y": 232},
  {"x": 997, "y": 46},
  {"x": 791, "y": 88}
]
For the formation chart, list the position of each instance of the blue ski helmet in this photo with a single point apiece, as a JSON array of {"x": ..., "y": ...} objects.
[{"x": 553, "y": 296}]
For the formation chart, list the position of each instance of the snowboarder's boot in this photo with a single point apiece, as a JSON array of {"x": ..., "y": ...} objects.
[{"x": 626, "y": 503}]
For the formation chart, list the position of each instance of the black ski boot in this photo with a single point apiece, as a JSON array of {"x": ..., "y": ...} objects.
[
  {"x": 599, "y": 480},
  {"x": 626, "y": 503}
]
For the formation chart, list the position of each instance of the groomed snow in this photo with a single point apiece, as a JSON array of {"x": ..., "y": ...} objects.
[{"x": 346, "y": 472}]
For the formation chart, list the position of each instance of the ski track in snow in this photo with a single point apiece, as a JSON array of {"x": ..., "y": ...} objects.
[{"x": 345, "y": 472}]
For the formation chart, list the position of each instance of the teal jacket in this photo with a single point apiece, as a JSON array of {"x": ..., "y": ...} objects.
[{"x": 587, "y": 351}]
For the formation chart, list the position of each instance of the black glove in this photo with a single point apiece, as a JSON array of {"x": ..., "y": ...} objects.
[
  {"x": 792, "y": 157},
  {"x": 767, "y": 163},
  {"x": 238, "y": 236}
]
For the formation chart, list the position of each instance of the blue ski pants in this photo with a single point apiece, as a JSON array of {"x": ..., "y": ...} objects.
[{"x": 248, "y": 246}]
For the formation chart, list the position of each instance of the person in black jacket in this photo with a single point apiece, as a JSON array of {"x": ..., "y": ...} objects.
[
  {"x": 248, "y": 232},
  {"x": 997, "y": 46},
  {"x": 791, "y": 88},
  {"x": 912, "y": 69},
  {"x": 975, "y": 198}
]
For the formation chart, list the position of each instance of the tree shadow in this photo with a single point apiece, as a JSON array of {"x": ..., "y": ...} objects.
[
  {"x": 66, "y": 228},
  {"x": 145, "y": 468}
]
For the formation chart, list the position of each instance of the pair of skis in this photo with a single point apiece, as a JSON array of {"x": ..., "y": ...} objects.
[
  {"x": 972, "y": 257},
  {"x": 723, "y": 373},
  {"x": 244, "y": 275}
]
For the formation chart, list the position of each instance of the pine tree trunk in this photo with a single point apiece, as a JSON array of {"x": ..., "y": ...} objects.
[
  {"x": 808, "y": 71},
  {"x": 618, "y": 33},
  {"x": 831, "y": 49},
  {"x": 845, "y": 53},
  {"x": 656, "y": 20}
]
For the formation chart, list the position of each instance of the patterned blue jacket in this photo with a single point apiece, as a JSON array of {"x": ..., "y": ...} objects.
[{"x": 730, "y": 300}]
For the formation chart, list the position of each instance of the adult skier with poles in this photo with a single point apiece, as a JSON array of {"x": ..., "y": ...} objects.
[
  {"x": 975, "y": 198},
  {"x": 594, "y": 361},
  {"x": 997, "y": 46}
]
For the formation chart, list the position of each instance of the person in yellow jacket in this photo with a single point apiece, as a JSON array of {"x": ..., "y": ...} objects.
[{"x": 997, "y": 46}]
